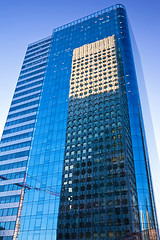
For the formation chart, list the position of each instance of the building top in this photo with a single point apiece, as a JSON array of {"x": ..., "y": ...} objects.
[
  {"x": 88, "y": 17},
  {"x": 39, "y": 41},
  {"x": 80, "y": 20}
]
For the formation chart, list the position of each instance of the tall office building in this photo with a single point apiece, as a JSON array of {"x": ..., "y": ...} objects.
[{"x": 73, "y": 154}]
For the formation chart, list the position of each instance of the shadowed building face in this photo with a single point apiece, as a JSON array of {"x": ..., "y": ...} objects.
[{"x": 99, "y": 186}]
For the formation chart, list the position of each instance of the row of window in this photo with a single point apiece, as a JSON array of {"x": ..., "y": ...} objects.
[
  {"x": 6, "y": 238},
  {"x": 16, "y": 137},
  {"x": 94, "y": 75},
  {"x": 15, "y": 146},
  {"x": 34, "y": 63},
  {"x": 97, "y": 101},
  {"x": 95, "y": 141},
  {"x": 7, "y": 226},
  {"x": 93, "y": 187},
  {"x": 29, "y": 85},
  {"x": 99, "y": 53},
  {"x": 27, "y": 92},
  {"x": 83, "y": 148},
  {"x": 89, "y": 166},
  {"x": 89, "y": 235},
  {"x": 80, "y": 197},
  {"x": 8, "y": 212},
  {"x": 14, "y": 155},
  {"x": 114, "y": 118},
  {"x": 35, "y": 58},
  {"x": 32, "y": 68},
  {"x": 37, "y": 48},
  {"x": 84, "y": 142},
  {"x": 17, "y": 129},
  {"x": 94, "y": 122},
  {"x": 39, "y": 44},
  {"x": 93, "y": 81},
  {"x": 11, "y": 187},
  {"x": 98, "y": 68},
  {"x": 109, "y": 183},
  {"x": 21, "y": 100},
  {"x": 29, "y": 104},
  {"x": 99, "y": 159},
  {"x": 100, "y": 121},
  {"x": 97, "y": 109},
  {"x": 110, "y": 52},
  {"x": 84, "y": 65},
  {"x": 13, "y": 165},
  {"x": 110, "y": 134},
  {"x": 101, "y": 148},
  {"x": 87, "y": 91},
  {"x": 95, "y": 223},
  {"x": 30, "y": 79},
  {"x": 93, "y": 129},
  {"x": 91, "y": 174},
  {"x": 13, "y": 176},
  {"x": 10, "y": 199},
  {"x": 30, "y": 74},
  {"x": 111, "y": 178},
  {"x": 106, "y": 66},
  {"x": 36, "y": 53},
  {"x": 26, "y": 119},
  {"x": 22, "y": 113},
  {"x": 93, "y": 84}
]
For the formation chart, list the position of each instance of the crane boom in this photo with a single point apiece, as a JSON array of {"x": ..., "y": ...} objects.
[{"x": 24, "y": 187}]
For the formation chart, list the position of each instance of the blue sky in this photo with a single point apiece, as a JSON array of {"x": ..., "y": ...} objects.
[{"x": 23, "y": 22}]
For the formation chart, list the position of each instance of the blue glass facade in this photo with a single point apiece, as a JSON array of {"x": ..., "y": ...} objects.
[
  {"x": 42, "y": 104},
  {"x": 18, "y": 134}
]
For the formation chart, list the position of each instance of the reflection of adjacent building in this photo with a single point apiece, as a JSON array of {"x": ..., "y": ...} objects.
[
  {"x": 148, "y": 232},
  {"x": 98, "y": 190},
  {"x": 77, "y": 94}
]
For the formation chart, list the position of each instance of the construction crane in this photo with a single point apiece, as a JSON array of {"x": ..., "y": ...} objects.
[{"x": 28, "y": 187}]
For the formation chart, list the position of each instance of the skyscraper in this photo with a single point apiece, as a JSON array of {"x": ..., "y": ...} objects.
[{"x": 73, "y": 160}]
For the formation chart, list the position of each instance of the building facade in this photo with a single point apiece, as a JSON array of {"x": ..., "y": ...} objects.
[{"x": 73, "y": 160}]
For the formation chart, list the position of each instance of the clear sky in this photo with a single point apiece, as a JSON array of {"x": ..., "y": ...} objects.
[{"x": 23, "y": 22}]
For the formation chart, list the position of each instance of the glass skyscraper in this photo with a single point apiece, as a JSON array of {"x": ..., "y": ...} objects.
[{"x": 73, "y": 154}]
